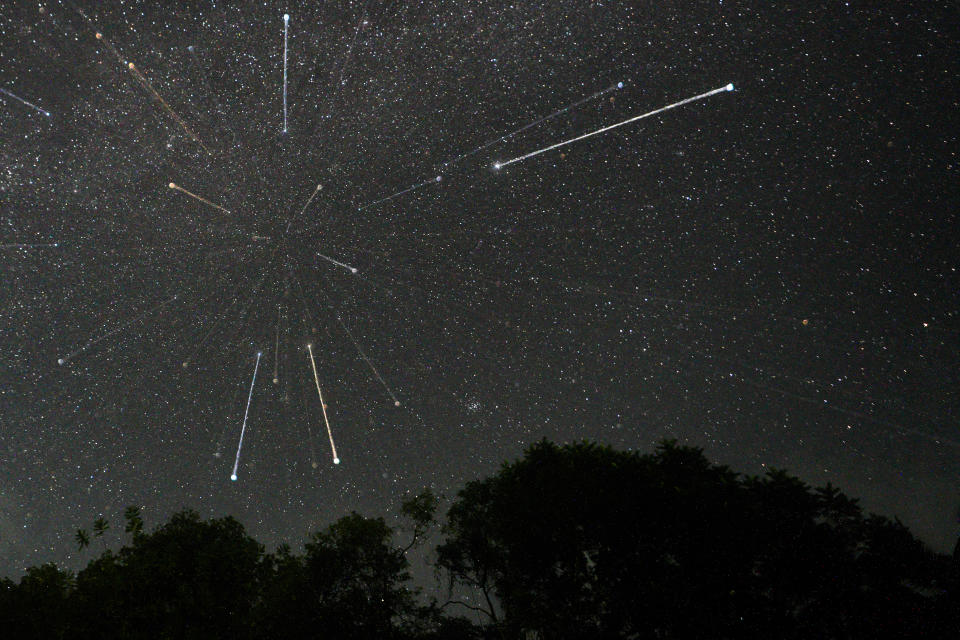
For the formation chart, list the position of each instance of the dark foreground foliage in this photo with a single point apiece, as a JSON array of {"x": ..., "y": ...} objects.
[{"x": 578, "y": 541}]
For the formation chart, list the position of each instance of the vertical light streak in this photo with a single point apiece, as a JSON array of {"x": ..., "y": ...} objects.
[
  {"x": 276, "y": 351},
  {"x": 286, "y": 23},
  {"x": 323, "y": 405},
  {"x": 243, "y": 429}
]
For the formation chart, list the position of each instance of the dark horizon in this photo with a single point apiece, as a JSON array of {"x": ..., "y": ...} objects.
[{"x": 568, "y": 542}]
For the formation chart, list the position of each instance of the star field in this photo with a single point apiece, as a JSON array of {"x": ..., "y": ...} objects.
[{"x": 769, "y": 273}]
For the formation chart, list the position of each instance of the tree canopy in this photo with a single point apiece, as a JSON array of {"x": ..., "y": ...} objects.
[
  {"x": 568, "y": 542},
  {"x": 582, "y": 541}
]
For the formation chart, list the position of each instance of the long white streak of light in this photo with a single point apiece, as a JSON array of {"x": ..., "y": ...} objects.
[
  {"x": 286, "y": 23},
  {"x": 29, "y": 104},
  {"x": 243, "y": 429},
  {"x": 323, "y": 406},
  {"x": 500, "y": 165},
  {"x": 338, "y": 263}
]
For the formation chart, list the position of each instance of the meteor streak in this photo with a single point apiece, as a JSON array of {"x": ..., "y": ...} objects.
[
  {"x": 183, "y": 125},
  {"x": 236, "y": 462},
  {"x": 309, "y": 200},
  {"x": 174, "y": 185},
  {"x": 276, "y": 351},
  {"x": 29, "y": 104},
  {"x": 576, "y": 104},
  {"x": 65, "y": 359},
  {"x": 339, "y": 264},
  {"x": 143, "y": 80},
  {"x": 213, "y": 95},
  {"x": 363, "y": 355},
  {"x": 400, "y": 193},
  {"x": 28, "y": 246},
  {"x": 323, "y": 405},
  {"x": 346, "y": 330},
  {"x": 500, "y": 165},
  {"x": 286, "y": 23}
]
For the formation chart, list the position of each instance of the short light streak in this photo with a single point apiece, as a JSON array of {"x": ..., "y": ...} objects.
[
  {"x": 500, "y": 165},
  {"x": 29, "y": 104},
  {"x": 574, "y": 105},
  {"x": 243, "y": 429},
  {"x": 302, "y": 211},
  {"x": 65, "y": 359},
  {"x": 400, "y": 193},
  {"x": 29, "y": 246},
  {"x": 323, "y": 405},
  {"x": 313, "y": 449},
  {"x": 286, "y": 23},
  {"x": 331, "y": 102},
  {"x": 276, "y": 351},
  {"x": 338, "y": 263},
  {"x": 175, "y": 186}
]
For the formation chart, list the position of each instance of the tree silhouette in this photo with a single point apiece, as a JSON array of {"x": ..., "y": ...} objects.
[
  {"x": 350, "y": 582},
  {"x": 37, "y": 608},
  {"x": 134, "y": 521},
  {"x": 100, "y": 526},
  {"x": 82, "y": 538},
  {"x": 569, "y": 542},
  {"x": 189, "y": 578},
  {"x": 582, "y": 541}
]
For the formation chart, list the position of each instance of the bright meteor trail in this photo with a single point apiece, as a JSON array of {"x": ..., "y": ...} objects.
[
  {"x": 729, "y": 87},
  {"x": 286, "y": 24},
  {"x": 338, "y": 263},
  {"x": 236, "y": 462},
  {"x": 323, "y": 406},
  {"x": 29, "y": 104},
  {"x": 174, "y": 185}
]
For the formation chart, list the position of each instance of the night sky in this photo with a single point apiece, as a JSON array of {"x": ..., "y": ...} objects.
[{"x": 768, "y": 273}]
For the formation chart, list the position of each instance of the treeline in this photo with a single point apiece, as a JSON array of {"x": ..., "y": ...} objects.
[{"x": 569, "y": 542}]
